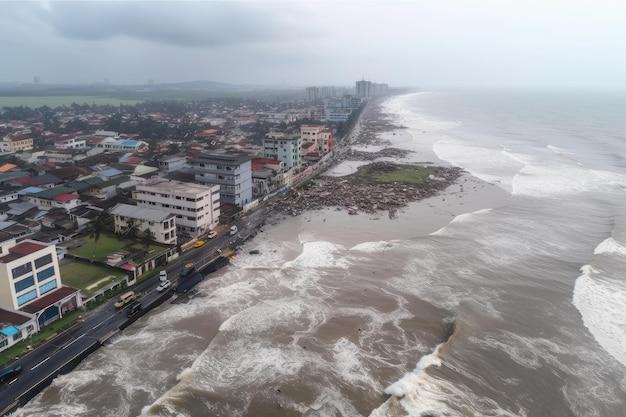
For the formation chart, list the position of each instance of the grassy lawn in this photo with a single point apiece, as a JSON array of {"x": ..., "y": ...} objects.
[
  {"x": 108, "y": 244},
  {"x": 87, "y": 277},
  {"x": 405, "y": 174}
]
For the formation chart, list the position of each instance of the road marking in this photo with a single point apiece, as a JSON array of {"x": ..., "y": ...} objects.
[
  {"x": 69, "y": 344},
  {"x": 40, "y": 363}
]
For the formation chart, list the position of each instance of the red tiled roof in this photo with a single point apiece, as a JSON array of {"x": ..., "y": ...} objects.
[
  {"x": 63, "y": 198},
  {"x": 26, "y": 248},
  {"x": 48, "y": 300}
]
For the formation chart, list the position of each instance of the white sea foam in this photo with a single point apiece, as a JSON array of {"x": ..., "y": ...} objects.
[
  {"x": 373, "y": 247},
  {"x": 601, "y": 300},
  {"x": 461, "y": 218},
  {"x": 610, "y": 246},
  {"x": 491, "y": 164},
  {"x": 403, "y": 386},
  {"x": 319, "y": 255}
]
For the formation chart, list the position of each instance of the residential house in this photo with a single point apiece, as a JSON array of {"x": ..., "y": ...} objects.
[
  {"x": 16, "y": 142},
  {"x": 160, "y": 223}
]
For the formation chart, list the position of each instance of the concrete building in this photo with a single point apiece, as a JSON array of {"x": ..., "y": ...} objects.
[
  {"x": 320, "y": 135},
  {"x": 16, "y": 142},
  {"x": 364, "y": 89},
  {"x": 172, "y": 163},
  {"x": 231, "y": 171},
  {"x": 196, "y": 207},
  {"x": 30, "y": 281},
  {"x": 70, "y": 142},
  {"x": 284, "y": 146},
  {"x": 160, "y": 223},
  {"x": 63, "y": 197}
]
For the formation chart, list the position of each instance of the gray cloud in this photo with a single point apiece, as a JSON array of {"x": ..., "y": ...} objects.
[{"x": 178, "y": 23}]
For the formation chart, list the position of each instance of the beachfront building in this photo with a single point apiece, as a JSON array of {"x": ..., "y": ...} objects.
[
  {"x": 160, "y": 223},
  {"x": 320, "y": 135},
  {"x": 268, "y": 175},
  {"x": 30, "y": 281},
  {"x": 283, "y": 145},
  {"x": 230, "y": 171},
  {"x": 16, "y": 142},
  {"x": 196, "y": 207}
]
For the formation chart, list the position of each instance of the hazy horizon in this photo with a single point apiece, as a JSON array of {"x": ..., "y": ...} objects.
[{"x": 448, "y": 45}]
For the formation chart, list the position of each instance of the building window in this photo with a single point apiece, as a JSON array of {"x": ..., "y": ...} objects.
[
  {"x": 23, "y": 299},
  {"x": 45, "y": 274},
  {"x": 22, "y": 269},
  {"x": 23, "y": 284},
  {"x": 47, "y": 287},
  {"x": 17, "y": 336},
  {"x": 44, "y": 260}
]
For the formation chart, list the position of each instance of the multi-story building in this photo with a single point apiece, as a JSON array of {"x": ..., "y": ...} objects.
[
  {"x": 172, "y": 163},
  {"x": 364, "y": 89},
  {"x": 160, "y": 223},
  {"x": 284, "y": 146},
  {"x": 30, "y": 281},
  {"x": 312, "y": 94},
  {"x": 70, "y": 142},
  {"x": 16, "y": 142},
  {"x": 320, "y": 135},
  {"x": 196, "y": 207},
  {"x": 231, "y": 171}
]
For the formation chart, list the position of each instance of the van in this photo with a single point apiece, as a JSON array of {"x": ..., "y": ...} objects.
[
  {"x": 133, "y": 308},
  {"x": 233, "y": 230},
  {"x": 125, "y": 298}
]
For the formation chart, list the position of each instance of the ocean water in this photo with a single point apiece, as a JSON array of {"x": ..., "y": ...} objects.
[{"x": 504, "y": 296}]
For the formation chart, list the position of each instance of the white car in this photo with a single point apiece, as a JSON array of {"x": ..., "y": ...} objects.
[
  {"x": 164, "y": 285},
  {"x": 212, "y": 234}
]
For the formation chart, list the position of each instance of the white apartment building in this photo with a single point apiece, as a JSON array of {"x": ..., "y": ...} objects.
[
  {"x": 160, "y": 223},
  {"x": 283, "y": 146},
  {"x": 28, "y": 271},
  {"x": 196, "y": 207}
]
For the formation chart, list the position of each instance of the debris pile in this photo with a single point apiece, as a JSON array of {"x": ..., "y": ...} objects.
[{"x": 361, "y": 193}]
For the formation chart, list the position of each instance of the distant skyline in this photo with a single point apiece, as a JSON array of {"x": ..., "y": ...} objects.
[{"x": 443, "y": 44}]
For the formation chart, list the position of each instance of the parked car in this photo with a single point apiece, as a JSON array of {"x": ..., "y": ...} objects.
[
  {"x": 7, "y": 374},
  {"x": 199, "y": 243},
  {"x": 187, "y": 269},
  {"x": 164, "y": 285},
  {"x": 212, "y": 234}
]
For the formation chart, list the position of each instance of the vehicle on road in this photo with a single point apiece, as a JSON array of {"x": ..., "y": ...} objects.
[
  {"x": 187, "y": 269},
  {"x": 125, "y": 298},
  {"x": 133, "y": 308},
  {"x": 233, "y": 230},
  {"x": 10, "y": 372},
  {"x": 199, "y": 243},
  {"x": 162, "y": 276},
  {"x": 163, "y": 285},
  {"x": 212, "y": 234}
]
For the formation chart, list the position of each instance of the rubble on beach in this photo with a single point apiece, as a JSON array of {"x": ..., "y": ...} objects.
[
  {"x": 354, "y": 192},
  {"x": 358, "y": 193}
]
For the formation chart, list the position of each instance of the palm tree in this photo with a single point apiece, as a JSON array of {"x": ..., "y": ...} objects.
[{"x": 98, "y": 226}]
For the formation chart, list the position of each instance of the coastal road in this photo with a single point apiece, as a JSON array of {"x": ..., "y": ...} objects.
[{"x": 62, "y": 353}]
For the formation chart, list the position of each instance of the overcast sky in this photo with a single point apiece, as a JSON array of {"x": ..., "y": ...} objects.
[{"x": 425, "y": 43}]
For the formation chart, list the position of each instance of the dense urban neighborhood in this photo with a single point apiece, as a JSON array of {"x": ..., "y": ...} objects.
[{"x": 95, "y": 197}]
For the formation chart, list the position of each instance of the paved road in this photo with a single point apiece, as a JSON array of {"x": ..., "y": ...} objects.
[{"x": 61, "y": 354}]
